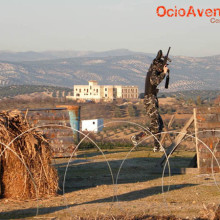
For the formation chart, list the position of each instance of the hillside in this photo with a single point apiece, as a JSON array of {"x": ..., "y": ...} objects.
[
  {"x": 51, "y": 55},
  {"x": 18, "y": 90},
  {"x": 187, "y": 73}
]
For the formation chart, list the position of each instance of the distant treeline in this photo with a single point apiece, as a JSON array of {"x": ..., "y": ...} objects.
[
  {"x": 11, "y": 91},
  {"x": 14, "y": 90},
  {"x": 204, "y": 95}
]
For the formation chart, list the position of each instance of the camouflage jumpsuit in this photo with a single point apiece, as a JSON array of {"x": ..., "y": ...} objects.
[
  {"x": 152, "y": 106},
  {"x": 153, "y": 79}
]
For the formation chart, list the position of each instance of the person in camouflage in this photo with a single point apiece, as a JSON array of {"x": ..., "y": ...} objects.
[{"x": 155, "y": 75}]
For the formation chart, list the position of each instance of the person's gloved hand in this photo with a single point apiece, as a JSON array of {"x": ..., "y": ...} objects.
[{"x": 165, "y": 69}]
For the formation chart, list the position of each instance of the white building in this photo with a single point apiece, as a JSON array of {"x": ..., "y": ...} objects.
[
  {"x": 93, "y": 91},
  {"x": 93, "y": 125}
]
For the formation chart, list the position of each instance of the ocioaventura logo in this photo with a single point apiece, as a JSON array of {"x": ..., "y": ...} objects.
[{"x": 213, "y": 14}]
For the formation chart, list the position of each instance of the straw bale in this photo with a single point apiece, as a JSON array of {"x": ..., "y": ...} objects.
[{"x": 26, "y": 171}]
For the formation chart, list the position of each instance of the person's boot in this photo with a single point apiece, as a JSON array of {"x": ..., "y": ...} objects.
[
  {"x": 137, "y": 137},
  {"x": 157, "y": 147}
]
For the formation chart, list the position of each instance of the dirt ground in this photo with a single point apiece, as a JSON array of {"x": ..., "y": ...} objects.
[{"x": 122, "y": 185}]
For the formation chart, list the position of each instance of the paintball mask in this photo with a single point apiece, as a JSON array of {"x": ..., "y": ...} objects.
[
  {"x": 158, "y": 61},
  {"x": 159, "y": 55}
]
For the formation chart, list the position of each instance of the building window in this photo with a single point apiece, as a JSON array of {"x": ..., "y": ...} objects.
[
  {"x": 97, "y": 90},
  {"x": 90, "y": 87},
  {"x": 79, "y": 90},
  {"x": 105, "y": 95},
  {"x": 106, "y": 89},
  {"x": 76, "y": 89},
  {"x": 93, "y": 122}
]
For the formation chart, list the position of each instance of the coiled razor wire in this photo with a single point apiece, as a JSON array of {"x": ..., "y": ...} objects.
[{"x": 7, "y": 147}]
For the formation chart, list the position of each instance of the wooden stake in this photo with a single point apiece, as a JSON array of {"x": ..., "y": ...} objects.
[
  {"x": 177, "y": 140},
  {"x": 196, "y": 136},
  {"x": 164, "y": 135}
]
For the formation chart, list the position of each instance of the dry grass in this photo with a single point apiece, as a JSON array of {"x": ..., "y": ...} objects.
[
  {"x": 26, "y": 170},
  {"x": 141, "y": 217}
]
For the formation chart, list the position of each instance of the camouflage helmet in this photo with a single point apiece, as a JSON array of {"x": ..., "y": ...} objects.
[
  {"x": 158, "y": 61},
  {"x": 159, "y": 55}
]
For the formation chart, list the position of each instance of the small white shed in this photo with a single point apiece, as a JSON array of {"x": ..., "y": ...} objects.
[{"x": 94, "y": 125}]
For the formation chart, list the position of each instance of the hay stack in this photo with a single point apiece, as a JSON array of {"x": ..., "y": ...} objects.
[{"x": 33, "y": 150}]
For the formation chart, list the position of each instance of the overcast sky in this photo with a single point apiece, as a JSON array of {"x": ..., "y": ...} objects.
[{"x": 100, "y": 25}]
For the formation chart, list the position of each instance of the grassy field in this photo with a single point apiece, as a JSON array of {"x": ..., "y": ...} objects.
[{"x": 122, "y": 185}]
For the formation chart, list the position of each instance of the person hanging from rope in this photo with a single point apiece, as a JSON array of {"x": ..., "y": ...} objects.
[{"x": 155, "y": 75}]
